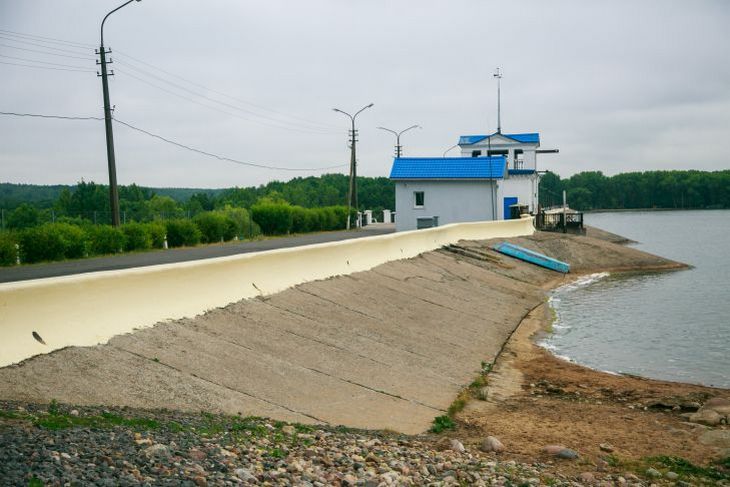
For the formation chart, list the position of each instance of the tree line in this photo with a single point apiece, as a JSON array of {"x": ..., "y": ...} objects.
[
  {"x": 28, "y": 205},
  {"x": 592, "y": 190}
]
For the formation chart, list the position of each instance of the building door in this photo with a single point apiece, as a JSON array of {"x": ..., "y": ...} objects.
[{"x": 508, "y": 201}]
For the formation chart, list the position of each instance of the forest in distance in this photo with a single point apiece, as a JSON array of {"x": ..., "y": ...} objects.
[{"x": 585, "y": 191}]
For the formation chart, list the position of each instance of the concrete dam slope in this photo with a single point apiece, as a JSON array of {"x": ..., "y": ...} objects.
[{"x": 386, "y": 348}]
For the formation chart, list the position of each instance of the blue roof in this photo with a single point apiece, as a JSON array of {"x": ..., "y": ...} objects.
[
  {"x": 528, "y": 138},
  {"x": 448, "y": 168}
]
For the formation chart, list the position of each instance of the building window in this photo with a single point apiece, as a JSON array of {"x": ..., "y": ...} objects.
[
  {"x": 419, "y": 199},
  {"x": 476, "y": 153}
]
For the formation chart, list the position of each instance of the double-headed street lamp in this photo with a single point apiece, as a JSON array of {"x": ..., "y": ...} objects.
[
  {"x": 398, "y": 147},
  {"x": 352, "y": 190},
  {"x": 113, "y": 190}
]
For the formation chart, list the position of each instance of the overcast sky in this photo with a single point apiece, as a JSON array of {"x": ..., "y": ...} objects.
[{"x": 616, "y": 86}]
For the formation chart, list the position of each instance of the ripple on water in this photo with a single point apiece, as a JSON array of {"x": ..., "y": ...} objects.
[{"x": 671, "y": 325}]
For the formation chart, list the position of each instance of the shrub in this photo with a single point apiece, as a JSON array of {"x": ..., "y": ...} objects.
[
  {"x": 137, "y": 236},
  {"x": 156, "y": 231},
  {"x": 441, "y": 423},
  {"x": 52, "y": 241},
  {"x": 182, "y": 232},
  {"x": 8, "y": 252},
  {"x": 300, "y": 222},
  {"x": 244, "y": 226},
  {"x": 215, "y": 226},
  {"x": 105, "y": 239},
  {"x": 273, "y": 218},
  {"x": 340, "y": 217},
  {"x": 328, "y": 217},
  {"x": 74, "y": 240}
]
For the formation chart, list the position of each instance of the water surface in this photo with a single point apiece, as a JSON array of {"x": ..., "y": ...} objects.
[{"x": 668, "y": 325}]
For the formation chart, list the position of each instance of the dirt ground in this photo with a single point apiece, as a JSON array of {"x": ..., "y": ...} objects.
[{"x": 535, "y": 399}]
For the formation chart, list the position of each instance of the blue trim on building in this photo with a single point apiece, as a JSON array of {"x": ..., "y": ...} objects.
[
  {"x": 526, "y": 138},
  {"x": 448, "y": 168},
  {"x": 520, "y": 171}
]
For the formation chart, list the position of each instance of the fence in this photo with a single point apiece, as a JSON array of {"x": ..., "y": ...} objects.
[{"x": 560, "y": 222}]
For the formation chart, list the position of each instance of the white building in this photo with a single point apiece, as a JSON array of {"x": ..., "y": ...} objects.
[{"x": 494, "y": 173}]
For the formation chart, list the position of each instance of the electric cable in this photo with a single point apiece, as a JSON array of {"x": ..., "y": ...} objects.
[{"x": 177, "y": 144}]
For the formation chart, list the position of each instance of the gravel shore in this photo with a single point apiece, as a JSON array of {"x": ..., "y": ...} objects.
[{"x": 61, "y": 445}]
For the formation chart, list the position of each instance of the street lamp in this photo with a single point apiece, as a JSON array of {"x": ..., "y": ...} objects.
[
  {"x": 113, "y": 190},
  {"x": 398, "y": 147},
  {"x": 452, "y": 147},
  {"x": 352, "y": 190}
]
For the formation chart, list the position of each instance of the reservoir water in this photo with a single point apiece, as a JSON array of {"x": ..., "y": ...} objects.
[{"x": 666, "y": 325}]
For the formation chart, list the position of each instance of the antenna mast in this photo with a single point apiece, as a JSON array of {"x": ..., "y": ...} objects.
[{"x": 498, "y": 75}]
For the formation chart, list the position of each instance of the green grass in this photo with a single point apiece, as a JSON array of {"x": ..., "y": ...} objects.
[
  {"x": 442, "y": 423},
  {"x": 685, "y": 468},
  {"x": 35, "y": 482},
  {"x": 56, "y": 421}
]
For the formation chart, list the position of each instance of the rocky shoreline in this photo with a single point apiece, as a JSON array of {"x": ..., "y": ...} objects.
[
  {"x": 63, "y": 445},
  {"x": 526, "y": 419}
]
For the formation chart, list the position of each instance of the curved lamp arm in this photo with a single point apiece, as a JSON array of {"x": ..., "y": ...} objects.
[{"x": 107, "y": 15}]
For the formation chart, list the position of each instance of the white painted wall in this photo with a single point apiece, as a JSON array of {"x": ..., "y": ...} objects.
[
  {"x": 452, "y": 201},
  {"x": 88, "y": 309},
  {"x": 523, "y": 186},
  {"x": 500, "y": 143}
]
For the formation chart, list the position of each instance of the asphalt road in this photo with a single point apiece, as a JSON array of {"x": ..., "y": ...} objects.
[{"x": 125, "y": 261}]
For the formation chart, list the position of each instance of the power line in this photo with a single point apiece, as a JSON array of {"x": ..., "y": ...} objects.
[
  {"x": 37, "y": 115},
  {"x": 48, "y": 67},
  {"x": 312, "y": 122},
  {"x": 23, "y": 41},
  {"x": 195, "y": 93},
  {"x": 177, "y": 144},
  {"x": 50, "y": 39},
  {"x": 223, "y": 158},
  {"x": 42, "y": 62},
  {"x": 47, "y": 53},
  {"x": 22, "y": 37},
  {"x": 310, "y": 132}
]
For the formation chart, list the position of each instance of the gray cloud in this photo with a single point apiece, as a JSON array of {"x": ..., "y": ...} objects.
[{"x": 616, "y": 86}]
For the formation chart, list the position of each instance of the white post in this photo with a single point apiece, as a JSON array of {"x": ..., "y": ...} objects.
[{"x": 565, "y": 207}]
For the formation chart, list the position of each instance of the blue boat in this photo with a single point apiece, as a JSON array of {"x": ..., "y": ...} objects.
[{"x": 532, "y": 257}]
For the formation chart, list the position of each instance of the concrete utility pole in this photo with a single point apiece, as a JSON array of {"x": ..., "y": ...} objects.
[
  {"x": 498, "y": 75},
  {"x": 352, "y": 189},
  {"x": 113, "y": 190},
  {"x": 398, "y": 147}
]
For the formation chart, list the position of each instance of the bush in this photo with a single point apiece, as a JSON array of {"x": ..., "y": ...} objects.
[
  {"x": 244, "y": 225},
  {"x": 340, "y": 217},
  {"x": 105, "y": 239},
  {"x": 182, "y": 232},
  {"x": 52, "y": 241},
  {"x": 300, "y": 221},
  {"x": 328, "y": 218},
  {"x": 8, "y": 252},
  {"x": 273, "y": 218},
  {"x": 215, "y": 226},
  {"x": 137, "y": 236},
  {"x": 157, "y": 232}
]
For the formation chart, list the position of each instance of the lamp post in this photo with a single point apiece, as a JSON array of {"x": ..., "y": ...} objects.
[
  {"x": 398, "y": 147},
  {"x": 113, "y": 190},
  {"x": 352, "y": 189},
  {"x": 452, "y": 147}
]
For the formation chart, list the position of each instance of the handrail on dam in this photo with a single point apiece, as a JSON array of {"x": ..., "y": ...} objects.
[{"x": 88, "y": 309}]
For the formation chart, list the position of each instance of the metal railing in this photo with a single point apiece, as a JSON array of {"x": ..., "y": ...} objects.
[{"x": 560, "y": 222}]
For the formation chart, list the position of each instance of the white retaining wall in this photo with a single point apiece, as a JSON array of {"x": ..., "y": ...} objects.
[{"x": 88, "y": 309}]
